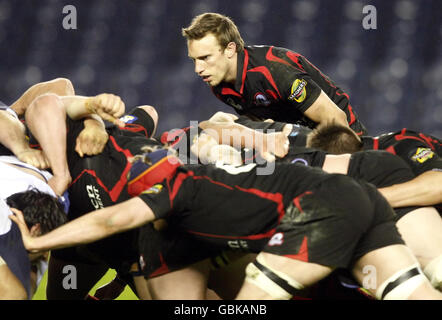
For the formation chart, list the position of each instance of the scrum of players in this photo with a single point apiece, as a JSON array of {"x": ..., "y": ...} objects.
[{"x": 284, "y": 200}]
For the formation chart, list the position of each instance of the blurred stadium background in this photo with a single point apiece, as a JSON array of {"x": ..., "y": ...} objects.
[{"x": 134, "y": 48}]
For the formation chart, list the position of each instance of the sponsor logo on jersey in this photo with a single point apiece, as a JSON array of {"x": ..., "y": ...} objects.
[
  {"x": 128, "y": 119},
  {"x": 154, "y": 189},
  {"x": 300, "y": 160},
  {"x": 94, "y": 195},
  {"x": 298, "y": 91},
  {"x": 231, "y": 102},
  {"x": 261, "y": 99},
  {"x": 422, "y": 155}
]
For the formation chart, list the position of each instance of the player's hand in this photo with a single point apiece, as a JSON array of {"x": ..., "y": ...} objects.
[
  {"x": 91, "y": 140},
  {"x": 274, "y": 144},
  {"x": 108, "y": 106},
  {"x": 33, "y": 157},
  {"x": 18, "y": 218}
]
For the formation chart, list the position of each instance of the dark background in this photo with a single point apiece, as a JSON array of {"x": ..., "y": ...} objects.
[{"x": 135, "y": 49}]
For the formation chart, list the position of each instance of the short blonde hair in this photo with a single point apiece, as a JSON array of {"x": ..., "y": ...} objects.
[{"x": 222, "y": 27}]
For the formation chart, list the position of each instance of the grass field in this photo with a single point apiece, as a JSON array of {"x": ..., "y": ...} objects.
[{"x": 127, "y": 294}]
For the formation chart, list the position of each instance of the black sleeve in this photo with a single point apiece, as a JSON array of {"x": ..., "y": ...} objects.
[
  {"x": 260, "y": 125},
  {"x": 418, "y": 156},
  {"x": 157, "y": 199}
]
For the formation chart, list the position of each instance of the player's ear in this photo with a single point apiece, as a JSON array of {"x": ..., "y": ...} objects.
[
  {"x": 230, "y": 49},
  {"x": 35, "y": 230}
]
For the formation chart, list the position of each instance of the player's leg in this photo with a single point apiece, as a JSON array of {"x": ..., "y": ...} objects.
[
  {"x": 385, "y": 266},
  {"x": 185, "y": 284},
  {"x": 71, "y": 280},
  {"x": 228, "y": 273},
  {"x": 275, "y": 277},
  {"x": 421, "y": 230},
  {"x": 46, "y": 118},
  {"x": 319, "y": 232},
  {"x": 10, "y": 287},
  {"x": 393, "y": 273}
]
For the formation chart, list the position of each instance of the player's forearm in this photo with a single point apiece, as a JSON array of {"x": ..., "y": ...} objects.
[
  {"x": 95, "y": 225},
  {"x": 324, "y": 110},
  {"x": 233, "y": 134},
  {"x": 59, "y": 86},
  {"x": 424, "y": 190},
  {"x": 12, "y": 134},
  {"x": 77, "y": 107}
]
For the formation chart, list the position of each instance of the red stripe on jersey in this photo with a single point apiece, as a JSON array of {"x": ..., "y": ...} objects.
[
  {"x": 352, "y": 116},
  {"x": 268, "y": 76},
  {"x": 275, "y": 197},
  {"x": 134, "y": 127},
  {"x": 177, "y": 185},
  {"x": 429, "y": 140},
  {"x": 115, "y": 192},
  {"x": 271, "y": 93},
  {"x": 295, "y": 58},
  {"x": 161, "y": 270},
  {"x": 297, "y": 200},
  {"x": 391, "y": 150},
  {"x": 228, "y": 91},
  {"x": 268, "y": 234},
  {"x": 213, "y": 181},
  {"x": 423, "y": 139},
  {"x": 244, "y": 70},
  {"x": 375, "y": 143},
  {"x": 302, "y": 253},
  {"x": 271, "y": 57}
]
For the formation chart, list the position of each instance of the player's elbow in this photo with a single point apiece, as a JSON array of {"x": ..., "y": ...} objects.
[{"x": 63, "y": 87}]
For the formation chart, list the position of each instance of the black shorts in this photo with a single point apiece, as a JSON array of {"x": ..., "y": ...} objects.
[
  {"x": 165, "y": 251},
  {"x": 382, "y": 169},
  {"x": 335, "y": 229}
]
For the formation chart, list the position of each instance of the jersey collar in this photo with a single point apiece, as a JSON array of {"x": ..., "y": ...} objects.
[{"x": 241, "y": 73}]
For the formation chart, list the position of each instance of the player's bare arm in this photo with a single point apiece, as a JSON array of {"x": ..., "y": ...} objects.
[
  {"x": 324, "y": 110},
  {"x": 91, "y": 227},
  {"x": 424, "y": 190},
  {"x": 58, "y": 86}
]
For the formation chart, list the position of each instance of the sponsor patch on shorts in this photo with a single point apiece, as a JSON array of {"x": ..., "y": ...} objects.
[
  {"x": 298, "y": 91},
  {"x": 129, "y": 119},
  {"x": 422, "y": 155}
]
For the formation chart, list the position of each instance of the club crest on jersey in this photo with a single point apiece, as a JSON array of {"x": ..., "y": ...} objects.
[
  {"x": 128, "y": 119},
  {"x": 422, "y": 155},
  {"x": 154, "y": 189},
  {"x": 298, "y": 92},
  {"x": 261, "y": 99}
]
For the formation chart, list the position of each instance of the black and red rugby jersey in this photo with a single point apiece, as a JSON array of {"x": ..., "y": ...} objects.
[
  {"x": 422, "y": 152},
  {"x": 279, "y": 84},
  {"x": 228, "y": 205}
]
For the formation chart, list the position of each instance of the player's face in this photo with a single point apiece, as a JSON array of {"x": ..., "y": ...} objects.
[{"x": 212, "y": 63}]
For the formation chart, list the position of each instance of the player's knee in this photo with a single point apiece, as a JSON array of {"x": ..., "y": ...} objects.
[
  {"x": 46, "y": 101},
  {"x": 275, "y": 283},
  {"x": 64, "y": 86},
  {"x": 401, "y": 284},
  {"x": 433, "y": 271}
]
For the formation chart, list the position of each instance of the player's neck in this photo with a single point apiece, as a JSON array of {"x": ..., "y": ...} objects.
[{"x": 232, "y": 70}]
